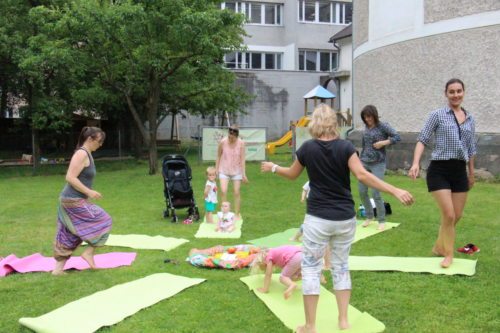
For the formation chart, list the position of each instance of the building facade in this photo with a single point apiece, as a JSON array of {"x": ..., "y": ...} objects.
[
  {"x": 287, "y": 51},
  {"x": 405, "y": 51}
]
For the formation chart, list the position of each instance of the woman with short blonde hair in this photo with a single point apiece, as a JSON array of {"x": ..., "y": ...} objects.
[
  {"x": 330, "y": 221},
  {"x": 323, "y": 122}
]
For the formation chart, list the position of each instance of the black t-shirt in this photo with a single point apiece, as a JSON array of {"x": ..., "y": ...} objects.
[{"x": 326, "y": 163}]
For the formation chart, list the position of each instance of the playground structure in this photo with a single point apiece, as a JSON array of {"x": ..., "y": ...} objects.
[
  {"x": 317, "y": 94},
  {"x": 271, "y": 146}
]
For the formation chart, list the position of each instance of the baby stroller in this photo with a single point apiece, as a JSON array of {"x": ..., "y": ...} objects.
[{"x": 177, "y": 187}]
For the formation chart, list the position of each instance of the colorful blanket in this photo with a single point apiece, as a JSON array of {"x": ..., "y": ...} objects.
[{"x": 228, "y": 257}]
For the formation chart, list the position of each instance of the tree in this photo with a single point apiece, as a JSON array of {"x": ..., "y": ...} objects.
[{"x": 158, "y": 56}]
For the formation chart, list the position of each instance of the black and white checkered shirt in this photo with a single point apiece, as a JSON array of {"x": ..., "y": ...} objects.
[{"x": 453, "y": 141}]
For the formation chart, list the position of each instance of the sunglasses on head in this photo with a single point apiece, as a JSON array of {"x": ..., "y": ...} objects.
[{"x": 234, "y": 131}]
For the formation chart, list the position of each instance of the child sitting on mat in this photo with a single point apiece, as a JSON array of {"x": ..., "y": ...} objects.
[
  {"x": 210, "y": 194},
  {"x": 226, "y": 218}
]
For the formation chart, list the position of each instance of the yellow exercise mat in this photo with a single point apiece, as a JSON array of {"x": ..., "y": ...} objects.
[
  {"x": 291, "y": 311},
  {"x": 207, "y": 230},
  {"x": 371, "y": 229},
  {"x": 145, "y": 242},
  {"x": 283, "y": 238},
  {"x": 110, "y": 306},
  {"x": 412, "y": 265}
]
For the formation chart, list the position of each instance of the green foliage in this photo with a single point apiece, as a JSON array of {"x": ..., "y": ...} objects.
[{"x": 404, "y": 302}]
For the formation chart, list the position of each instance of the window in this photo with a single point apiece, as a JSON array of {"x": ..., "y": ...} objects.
[
  {"x": 322, "y": 61},
  {"x": 331, "y": 12},
  {"x": 257, "y": 12},
  {"x": 253, "y": 60}
]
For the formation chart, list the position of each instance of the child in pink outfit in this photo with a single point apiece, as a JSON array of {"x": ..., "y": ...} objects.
[{"x": 286, "y": 257}]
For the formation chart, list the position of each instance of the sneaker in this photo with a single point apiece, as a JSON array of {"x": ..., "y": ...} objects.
[
  {"x": 468, "y": 249},
  {"x": 188, "y": 221}
]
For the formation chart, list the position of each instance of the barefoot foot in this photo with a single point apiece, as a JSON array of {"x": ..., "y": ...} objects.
[
  {"x": 288, "y": 292},
  {"x": 437, "y": 251},
  {"x": 88, "y": 256},
  {"x": 366, "y": 223},
  {"x": 344, "y": 325},
  {"x": 381, "y": 227},
  {"x": 305, "y": 329},
  {"x": 58, "y": 273},
  {"x": 447, "y": 261}
]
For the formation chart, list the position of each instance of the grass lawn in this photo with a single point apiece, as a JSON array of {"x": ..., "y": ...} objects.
[{"x": 404, "y": 302}]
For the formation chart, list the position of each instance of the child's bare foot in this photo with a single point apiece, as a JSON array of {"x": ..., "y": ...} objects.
[
  {"x": 447, "y": 261},
  {"x": 288, "y": 292},
  {"x": 381, "y": 226},
  {"x": 305, "y": 329},
  {"x": 344, "y": 324},
  {"x": 58, "y": 272}
]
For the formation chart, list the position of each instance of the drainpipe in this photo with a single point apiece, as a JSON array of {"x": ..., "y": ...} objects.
[{"x": 337, "y": 83}]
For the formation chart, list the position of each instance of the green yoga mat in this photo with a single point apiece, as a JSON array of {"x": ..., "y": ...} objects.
[
  {"x": 412, "y": 265},
  {"x": 283, "y": 238},
  {"x": 207, "y": 230},
  {"x": 110, "y": 306},
  {"x": 145, "y": 242},
  {"x": 291, "y": 311}
]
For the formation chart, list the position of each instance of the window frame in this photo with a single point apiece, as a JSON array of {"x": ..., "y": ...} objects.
[
  {"x": 245, "y": 60},
  {"x": 337, "y": 12},
  {"x": 333, "y": 59},
  {"x": 245, "y": 8}
]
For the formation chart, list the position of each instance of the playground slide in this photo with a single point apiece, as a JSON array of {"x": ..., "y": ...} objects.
[{"x": 271, "y": 146}]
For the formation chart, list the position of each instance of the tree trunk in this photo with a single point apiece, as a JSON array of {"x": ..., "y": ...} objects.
[
  {"x": 3, "y": 99},
  {"x": 152, "y": 104}
]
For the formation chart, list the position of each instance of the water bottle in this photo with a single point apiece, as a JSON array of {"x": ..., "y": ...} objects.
[{"x": 361, "y": 211}]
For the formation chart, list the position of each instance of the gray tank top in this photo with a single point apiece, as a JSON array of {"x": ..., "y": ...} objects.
[{"x": 86, "y": 177}]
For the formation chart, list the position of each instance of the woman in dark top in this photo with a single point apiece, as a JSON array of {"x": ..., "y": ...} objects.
[
  {"x": 376, "y": 136},
  {"x": 454, "y": 150},
  {"x": 78, "y": 219},
  {"x": 330, "y": 218}
]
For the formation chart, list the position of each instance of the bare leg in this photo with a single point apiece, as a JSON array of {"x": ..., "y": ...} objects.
[
  {"x": 291, "y": 286},
  {"x": 327, "y": 259},
  {"x": 343, "y": 297},
  {"x": 223, "y": 188},
  {"x": 88, "y": 256},
  {"x": 446, "y": 238},
  {"x": 310, "y": 306},
  {"x": 59, "y": 269},
  {"x": 210, "y": 218},
  {"x": 237, "y": 198}
]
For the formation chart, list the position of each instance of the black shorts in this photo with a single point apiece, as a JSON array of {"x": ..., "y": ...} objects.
[{"x": 447, "y": 175}]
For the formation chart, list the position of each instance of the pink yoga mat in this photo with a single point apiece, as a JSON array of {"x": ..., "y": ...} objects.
[{"x": 38, "y": 263}]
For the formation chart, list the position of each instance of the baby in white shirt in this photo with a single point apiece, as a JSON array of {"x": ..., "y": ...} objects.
[{"x": 226, "y": 218}]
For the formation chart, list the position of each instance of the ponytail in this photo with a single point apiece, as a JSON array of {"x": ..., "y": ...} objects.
[{"x": 88, "y": 131}]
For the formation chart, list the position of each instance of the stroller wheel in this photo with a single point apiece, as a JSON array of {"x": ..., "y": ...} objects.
[
  {"x": 174, "y": 218},
  {"x": 166, "y": 213}
]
